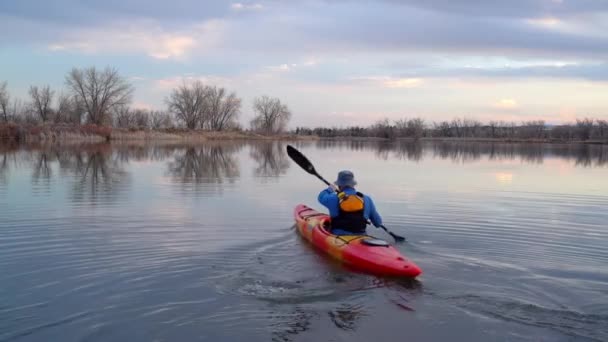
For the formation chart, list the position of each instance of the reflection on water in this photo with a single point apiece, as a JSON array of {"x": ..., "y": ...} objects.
[
  {"x": 98, "y": 174},
  {"x": 467, "y": 152},
  {"x": 402, "y": 150},
  {"x": 206, "y": 164},
  {"x": 41, "y": 170},
  {"x": 107, "y": 242},
  {"x": 270, "y": 158}
]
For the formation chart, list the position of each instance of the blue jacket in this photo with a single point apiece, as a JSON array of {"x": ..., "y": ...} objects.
[{"x": 329, "y": 198}]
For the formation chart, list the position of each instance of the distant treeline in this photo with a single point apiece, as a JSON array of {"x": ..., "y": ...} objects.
[
  {"x": 582, "y": 130},
  {"x": 103, "y": 97}
]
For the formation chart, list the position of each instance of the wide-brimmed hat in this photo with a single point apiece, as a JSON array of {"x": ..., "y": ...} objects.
[{"x": 346, "y": 178}]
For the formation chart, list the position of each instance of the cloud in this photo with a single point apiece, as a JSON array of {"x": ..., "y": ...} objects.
[
  {"x": 237, "y": 6},
  {"x": 282, "y": 67},
  {"x": 169, "y": 47},
  {"x": 509, "y": 9},
  {"x": 548, "y": 22},
  {"x": 389, "y": 82},
  {"x": 522, "y": 28},
  {"x": 175, "y": 81},
  {"x": 145, "y": 37},
  {"x": 403, "y": 83},
  {"x": 87, "y": 13},
  {"x": 142, "y": 105},
  {"x": 286, "y": 67},
  {"x": 506, "y": 104},
  {"x": 562, "y": 70}
]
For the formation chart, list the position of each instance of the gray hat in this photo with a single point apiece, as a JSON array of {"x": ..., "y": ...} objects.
[{"x": 346, "y": 178}]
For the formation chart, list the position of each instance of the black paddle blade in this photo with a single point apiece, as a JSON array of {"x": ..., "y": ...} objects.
[
  {"x": 301, "y": 160},
  {"x": 397, "y": 237}
]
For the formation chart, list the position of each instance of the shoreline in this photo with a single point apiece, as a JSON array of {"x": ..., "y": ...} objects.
[
  {"x": 467, "y": 140},
  {"x": 11, "y": 134},
  {"x": 60, "y": 133}
]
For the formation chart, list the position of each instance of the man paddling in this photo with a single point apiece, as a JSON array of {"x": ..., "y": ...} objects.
[{"x": 349, "y": 209}]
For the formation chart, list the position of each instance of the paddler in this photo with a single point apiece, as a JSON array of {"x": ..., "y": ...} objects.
[{"x": 349, "y": 209}]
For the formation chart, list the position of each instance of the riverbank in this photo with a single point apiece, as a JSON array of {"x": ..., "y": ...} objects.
[
  {"x": 470, "y": 139},
  {"x": 62, "y": 133}
]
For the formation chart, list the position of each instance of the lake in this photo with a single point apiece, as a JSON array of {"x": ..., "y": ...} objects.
[{"x": 136, "y": 242}]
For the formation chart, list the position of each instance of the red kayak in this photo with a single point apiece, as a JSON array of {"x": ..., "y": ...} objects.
[{"x": 362, "y": 252}]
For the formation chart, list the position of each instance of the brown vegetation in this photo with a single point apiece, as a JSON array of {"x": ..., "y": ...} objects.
[{"x": 585, "y": 130}]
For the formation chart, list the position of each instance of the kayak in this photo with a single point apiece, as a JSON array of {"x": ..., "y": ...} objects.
[{"x": 361, "y": 252}]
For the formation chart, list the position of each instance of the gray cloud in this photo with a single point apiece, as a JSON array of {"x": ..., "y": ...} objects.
[
  {"x": 404, "y": 28},
  {"x": 286, "y": 31},
  {"x": 589, "y": 71},
  {"x": 593, "y": 72},
  {"x": 96, "y": 12},
  {"x": 510, "y": 8}
]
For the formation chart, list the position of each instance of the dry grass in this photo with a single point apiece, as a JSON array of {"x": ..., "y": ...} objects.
[{"x": 51, "y": 133}]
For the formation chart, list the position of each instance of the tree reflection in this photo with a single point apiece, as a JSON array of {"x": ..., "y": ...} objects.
[
  {"x": 271, "y": 159},
  {"x": 409, "y": 149},
  {"x": 463, "y": 152},
  {"x": 141, "y": 151},
  {"x": 4, "y": 164},
  {"x": 41, "y": 168},
  {"x": 205, "y": 164},
  {"x": 97, "y": 175}
]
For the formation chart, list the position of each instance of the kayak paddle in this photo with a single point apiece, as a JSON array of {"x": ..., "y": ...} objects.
[
  {"x": 397, "y": 238},
  {"x": 304, "y": 163}
]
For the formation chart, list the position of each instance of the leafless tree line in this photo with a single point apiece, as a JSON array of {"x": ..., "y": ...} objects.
[
  {"x": 90, "y": 96},
  {"x": 205, "y": 107},
  {"x": 583, "y": 130},
  {"x": 102, "y": 97}
]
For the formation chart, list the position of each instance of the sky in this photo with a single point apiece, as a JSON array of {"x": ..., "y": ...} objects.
[{"x": 333, "y": 62}]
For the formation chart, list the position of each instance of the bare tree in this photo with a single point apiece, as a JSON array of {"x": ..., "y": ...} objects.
[
  {"x": 602, "y": 129},
  {"x": 41, "y": 101},
  {"x": 123, "y": 117},
  {"x": 532, "y": 129},
  {"x": 584, "y": 128},
  {"x": 383, "y": 129},
  {"x": 442, "y": 129},
  {"x": 160, "y": 120},
  {"x": 412, "y": 128},
  {"x": 4, "y": 101},
  {"x": 456, "y": 127},
  {"x": 187, "y": 102},
  {"x": 64, "y": 105},
  {"x": 99, "y": 91},
  {"x": 271, "y": 115},
  {"x": 401, "y": 127},
  {"x": 563, "y": 132},
  {"x": 141, "y": 119},
  {"x": 493, "y": 125},
  {"x": 415, "y": 128},
  {"x": 19, "y": 112},
  {"x": 470, "y": 127},
  {"x": 223, "y": 108},
  {"x": 70, "y": 109}
]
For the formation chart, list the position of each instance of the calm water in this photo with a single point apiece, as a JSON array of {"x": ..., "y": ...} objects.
[{"x": 187, "y": 243}]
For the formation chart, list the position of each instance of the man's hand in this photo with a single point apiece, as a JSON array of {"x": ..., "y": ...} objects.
[{"x": 334, "y": 187}]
